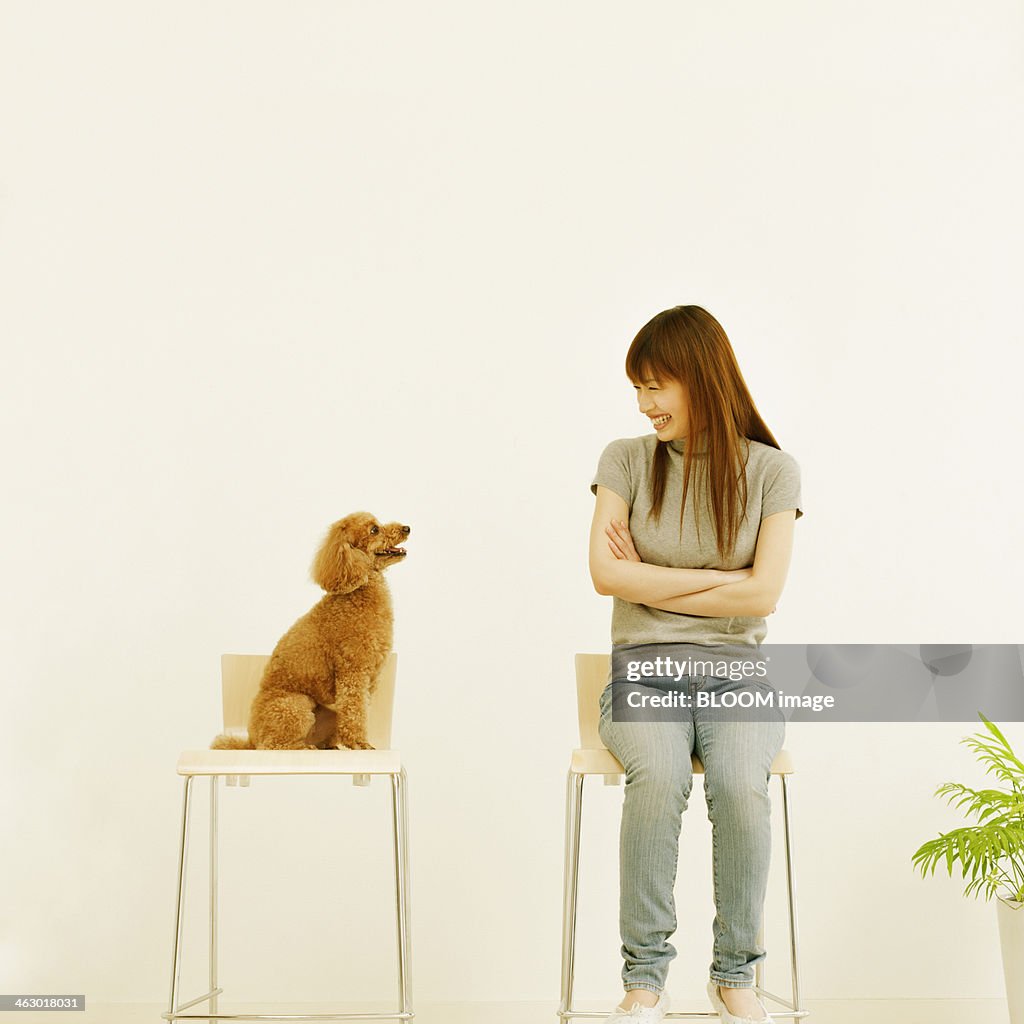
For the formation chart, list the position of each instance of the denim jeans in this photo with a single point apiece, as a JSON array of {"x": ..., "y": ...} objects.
[{"x": 737, "y": 756}]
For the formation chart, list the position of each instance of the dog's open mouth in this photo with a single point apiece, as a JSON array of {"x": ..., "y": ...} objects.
[{"x": 392, "y": 551}]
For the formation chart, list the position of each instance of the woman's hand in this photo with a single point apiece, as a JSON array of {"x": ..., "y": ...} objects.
[{"x": 621, "y": 542}]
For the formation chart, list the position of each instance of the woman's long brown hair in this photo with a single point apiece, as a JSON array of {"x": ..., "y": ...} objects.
[{"x": 687, "y": 344}]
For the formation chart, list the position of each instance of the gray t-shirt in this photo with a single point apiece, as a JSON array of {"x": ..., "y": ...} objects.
[{"x": 773, "y": 485}]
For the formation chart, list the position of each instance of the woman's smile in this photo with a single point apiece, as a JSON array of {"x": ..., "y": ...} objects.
[{"x": 666, "y": 404}]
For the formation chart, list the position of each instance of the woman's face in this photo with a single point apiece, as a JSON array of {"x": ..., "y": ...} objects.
[{"x": 666, "y": 403}]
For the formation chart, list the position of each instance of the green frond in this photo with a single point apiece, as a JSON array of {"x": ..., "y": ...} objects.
[{"x": 998, "y": 835}]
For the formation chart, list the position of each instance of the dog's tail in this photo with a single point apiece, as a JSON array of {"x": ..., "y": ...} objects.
[{"x": 226, "y": 742}]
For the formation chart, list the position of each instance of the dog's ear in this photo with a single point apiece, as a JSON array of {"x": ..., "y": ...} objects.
[{"x": 338, "y": 566}]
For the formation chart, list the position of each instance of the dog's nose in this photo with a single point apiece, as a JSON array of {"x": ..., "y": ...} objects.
[{"x": 405, "y": 529}]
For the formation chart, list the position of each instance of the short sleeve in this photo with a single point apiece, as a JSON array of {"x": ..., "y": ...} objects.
[
  {"x": 613, "y": 471},
  {"x": 782, "y": 487}
]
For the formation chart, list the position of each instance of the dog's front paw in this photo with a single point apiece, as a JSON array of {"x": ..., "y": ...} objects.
[{"x": 355, "y": 745}]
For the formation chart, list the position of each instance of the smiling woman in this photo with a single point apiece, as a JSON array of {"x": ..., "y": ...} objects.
[
  {"x": 710, "y": 572},
  {"x": 701, "y": 564}
]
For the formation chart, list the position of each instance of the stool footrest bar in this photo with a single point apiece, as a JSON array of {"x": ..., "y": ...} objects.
[
  {"x": 201, "y": 999},
  {"x": 400, "y": 1015},
  {"x": 672, "y": 1015},
  {"x": 787, "y": 1003}
]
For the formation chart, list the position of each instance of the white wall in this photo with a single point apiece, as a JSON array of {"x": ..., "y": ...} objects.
[{"x": 262, "y": 264}]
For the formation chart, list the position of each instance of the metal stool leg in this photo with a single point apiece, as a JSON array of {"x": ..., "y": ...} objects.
[
  {"x": 400, "y": 820},
  {"x": 573, "y": 815},
  {"x": 182, "y": 866},
  {"x": 791, "y": 886},
  {"x": 213, "y": 893}
]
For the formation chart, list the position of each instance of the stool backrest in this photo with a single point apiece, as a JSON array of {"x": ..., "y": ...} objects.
[
  {"x": 240, "y": 682},
  {"x": 591, "y": 679}
]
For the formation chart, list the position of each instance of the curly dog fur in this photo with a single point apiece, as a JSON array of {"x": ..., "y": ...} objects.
[{"x": 320, "y": 675}]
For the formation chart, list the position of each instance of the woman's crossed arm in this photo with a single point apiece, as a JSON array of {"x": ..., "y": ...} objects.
[{"x": 616, "y": 569}]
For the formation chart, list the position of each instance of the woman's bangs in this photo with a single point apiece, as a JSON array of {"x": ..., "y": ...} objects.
[{"x": 645, "y": 361}]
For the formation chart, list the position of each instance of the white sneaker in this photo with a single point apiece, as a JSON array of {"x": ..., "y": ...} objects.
[
  {"x": 638, "y": 1014},
  {"x": 728, "y": 1018}
]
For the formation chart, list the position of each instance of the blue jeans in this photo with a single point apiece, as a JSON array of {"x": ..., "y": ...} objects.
[{"x": 737, "y": 756}]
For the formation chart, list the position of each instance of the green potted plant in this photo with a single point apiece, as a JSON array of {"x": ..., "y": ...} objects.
[{"x": 992, "y": 851}]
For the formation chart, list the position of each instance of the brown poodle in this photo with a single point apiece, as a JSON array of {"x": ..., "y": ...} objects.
[{"x": 321, "y": 673}]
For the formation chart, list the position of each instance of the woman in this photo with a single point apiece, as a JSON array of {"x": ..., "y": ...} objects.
[{"x": 692, "y": 536}]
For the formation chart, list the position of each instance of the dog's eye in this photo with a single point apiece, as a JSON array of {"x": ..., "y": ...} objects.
[{"x": 374, "y": 529}]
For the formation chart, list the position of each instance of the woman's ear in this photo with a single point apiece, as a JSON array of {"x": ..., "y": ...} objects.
[{"x": 339, "y": 567}]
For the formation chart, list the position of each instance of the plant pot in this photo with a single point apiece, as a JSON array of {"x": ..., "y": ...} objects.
[{"x": 1011, "y": 937}]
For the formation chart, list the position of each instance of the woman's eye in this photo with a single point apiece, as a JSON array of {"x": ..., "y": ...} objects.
[{"x": 374, "y": 529}]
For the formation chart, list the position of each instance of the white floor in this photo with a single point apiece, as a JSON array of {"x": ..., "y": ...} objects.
[{"x": 824, "y": 1011}]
